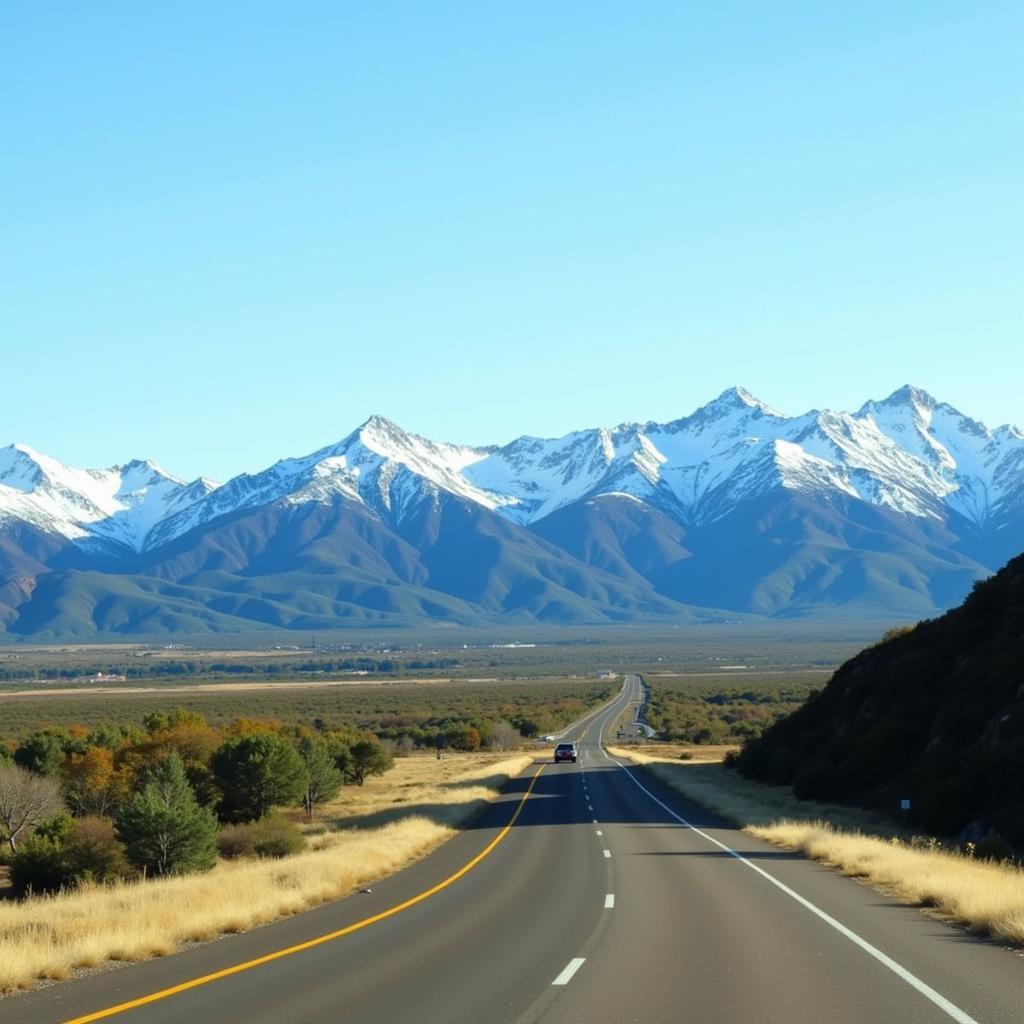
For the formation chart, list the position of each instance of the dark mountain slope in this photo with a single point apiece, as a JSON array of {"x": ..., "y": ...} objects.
[
  {"x": 94, "y": 604},
  {"x": 474, "y": 554},
  {"x": 26, "y": 553},
  {"x": 935, "y": 714},
  {"x": 619, "y": 534},
  {"x": 324, "y": 537},
  {"x": 788, "y": 553}
]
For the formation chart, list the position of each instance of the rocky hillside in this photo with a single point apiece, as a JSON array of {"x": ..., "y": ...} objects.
[{"x": 934, "y": 714}]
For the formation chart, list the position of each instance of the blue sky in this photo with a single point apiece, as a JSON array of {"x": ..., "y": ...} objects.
[{"x": 233, "y": 231}]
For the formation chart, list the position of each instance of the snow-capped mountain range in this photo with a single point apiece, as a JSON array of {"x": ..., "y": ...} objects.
[
  {"x": 921, "y": 465},
  {"x": 908, "y": 453}
]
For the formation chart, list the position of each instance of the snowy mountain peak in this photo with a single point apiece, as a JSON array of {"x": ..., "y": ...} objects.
[
  {"x": 908, "y": 453},
  {"x": 119, "y": 504},
  {"x": 735, "y": 398},
  {"x": 911, "y": 395},
  {"x": 20, "y": 467},
  {"x": 379, "y": 430},
  {"x": 144, "y": 467}
]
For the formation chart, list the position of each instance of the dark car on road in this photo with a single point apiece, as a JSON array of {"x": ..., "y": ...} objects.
[{"x": 565, "y": 752}]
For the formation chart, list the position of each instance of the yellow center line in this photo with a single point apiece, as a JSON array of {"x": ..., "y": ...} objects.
[{"x": 320, "y": 939}]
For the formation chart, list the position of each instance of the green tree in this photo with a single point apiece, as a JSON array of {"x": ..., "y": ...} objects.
[
  {"x": 43, "y": 751},
  {"x": 256, "y": 772},
  {"x": 163, "y": 828},
  {"x": 367, "y": 757},
  {"x": 323, "y": 779},
  {"x": 339, "y": 746}
]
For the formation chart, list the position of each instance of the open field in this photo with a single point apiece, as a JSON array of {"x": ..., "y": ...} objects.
[
  {"x": 984, "y": 896},
  {"x": 387, "y": 710},
  {"x": 517, "y": 652},
  {"x": 369, "y": 832}
]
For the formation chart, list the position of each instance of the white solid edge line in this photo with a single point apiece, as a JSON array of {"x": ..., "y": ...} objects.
[
  {"x": 570, "y": 969},
  {"x": 607, "y": 853},
  {"x": 609, "y": 901},
  {"x": 926, "y": 990}
]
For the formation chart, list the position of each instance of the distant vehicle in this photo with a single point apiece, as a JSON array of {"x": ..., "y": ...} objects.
[
  {"x": 565, "y": 752},
  {"x": 548, "y": 739}
]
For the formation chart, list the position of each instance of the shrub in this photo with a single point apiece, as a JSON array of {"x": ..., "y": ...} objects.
[
  {"x": 278, "y": 837},
  {"x": 504, "y": 736},
  {"x": 39, "y": 867},
  {"x": 270, "y": 837},
  {"x": 92, "y": 852},
  {"x": 235, "y": 841}
]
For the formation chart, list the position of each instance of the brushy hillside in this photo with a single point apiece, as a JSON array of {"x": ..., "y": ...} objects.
[{"x": 934, "y": 714}]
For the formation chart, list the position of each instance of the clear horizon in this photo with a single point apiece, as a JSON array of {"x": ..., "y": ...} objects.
[{"x": 232, "y": 236}]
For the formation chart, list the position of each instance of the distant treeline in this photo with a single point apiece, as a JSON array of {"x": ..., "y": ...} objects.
[{"x": 155, "y": 669}]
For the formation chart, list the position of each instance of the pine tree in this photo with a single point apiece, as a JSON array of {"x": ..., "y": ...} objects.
[
  {"x": 255, "y": 773},
  {"x": 163, "y": 828}
]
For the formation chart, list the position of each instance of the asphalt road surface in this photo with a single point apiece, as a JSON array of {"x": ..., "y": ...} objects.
[{"x": 609, "y": 899}]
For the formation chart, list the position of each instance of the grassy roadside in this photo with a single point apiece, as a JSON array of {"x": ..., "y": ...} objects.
[
  {"x": 987, "y": 897},
  {"x": 398, "y": 819}
]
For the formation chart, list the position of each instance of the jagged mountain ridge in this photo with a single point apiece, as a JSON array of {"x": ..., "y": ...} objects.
[
  {"x": 908, "y": 453},
  {"x": 120, "y": 505},
  {"x": 896, "y": 508}
]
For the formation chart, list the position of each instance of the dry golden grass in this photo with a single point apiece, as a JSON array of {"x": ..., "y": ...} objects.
[
  {"x": 48, "y": 937},
  {"x": 984, "y": 896},
  {"x": 744, "y": 802},
  {"x": 673, "y": 752}
]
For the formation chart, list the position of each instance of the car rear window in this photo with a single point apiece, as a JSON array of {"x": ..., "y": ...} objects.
[{"x": 564, "y": 746}]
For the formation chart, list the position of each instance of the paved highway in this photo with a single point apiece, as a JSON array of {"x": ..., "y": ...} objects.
[{"x": 588, "y": 893}]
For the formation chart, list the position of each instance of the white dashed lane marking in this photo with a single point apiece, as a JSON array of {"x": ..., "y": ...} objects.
[{"x": 570, "y": 969}]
